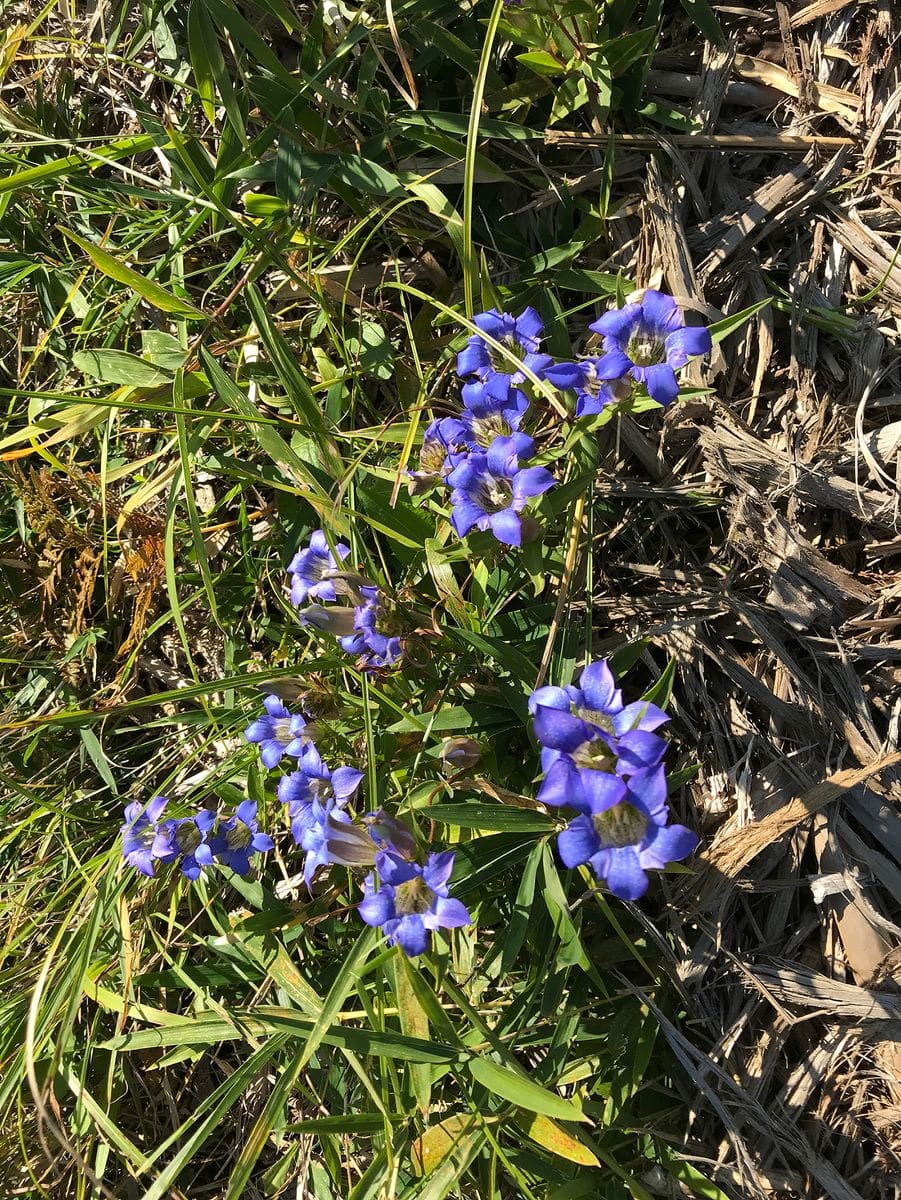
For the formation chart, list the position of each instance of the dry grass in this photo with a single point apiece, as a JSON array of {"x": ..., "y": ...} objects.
[{"x": 772, "y": 577}]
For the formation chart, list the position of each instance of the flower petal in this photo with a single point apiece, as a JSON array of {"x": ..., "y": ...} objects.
[
  {"x": 660, "y": 380},
  {"x": 618, "y": 323},
  {"x": 506, "y": 527},
  {"x": 640, "y": 714},
  {"x": 529, "y": 328},
  {"x": 271, "y": 752},
  {"x": 437, "y": 870},
  {"x": 548, "y": 697},
  {"x": 600, "y": 688},
  {"x": 473, "y": 358},
  {"x": 601, "y": 790},
  {"x": 532, "y": 481},
  {"x": 668, "y": 843},
  {"x": 661, "y": 313},
  {"x": 345, "y": 781},
  {"x": 501, "y": 457},
  {"x": 625, "y": 878},
  {"x": 577, "y": 842},
  {"x": 613, "y": 365},
  {"x": 559, "y": 729},
  {"x": 687, "y": 343},
  {"x": 411, "y": 935},
  {"x": 648, "y": 788},
  {"x": 566, "y": 375},
  {"x": 638, "y": 750},
  {"x": 377, "y": 908},
  {"x": 464, "y": 514},
  {"x": 560, "y": 785},
  {"x": 448, "y": 914}
]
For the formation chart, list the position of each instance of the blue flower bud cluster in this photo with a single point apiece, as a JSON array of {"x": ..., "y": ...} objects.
[{"x": 603, "y": 758}]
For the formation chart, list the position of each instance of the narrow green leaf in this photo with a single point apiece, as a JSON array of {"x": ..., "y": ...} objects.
[
  {"x": 522, "y": 1092},
  {"x": 117, "y": 366},
  {"x": 491, "y": 817}
]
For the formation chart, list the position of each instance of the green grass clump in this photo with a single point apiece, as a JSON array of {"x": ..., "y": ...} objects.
[{"x": 241, "y": 245}]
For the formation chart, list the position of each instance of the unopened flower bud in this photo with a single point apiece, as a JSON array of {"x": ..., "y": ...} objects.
[
  {"x": 460, "y": 753},
  {"x": 337, "y": 621},
  {"x": 390, "y": 834}
]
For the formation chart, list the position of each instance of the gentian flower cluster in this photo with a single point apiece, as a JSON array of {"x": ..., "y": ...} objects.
[
  {"x": 603, "y": 758},
  {"x": 194, "y": 842},
  {"x": 317, "y": 574},
  {"x": 409, "y": 900},
  {"x": 480, "y": 452}
]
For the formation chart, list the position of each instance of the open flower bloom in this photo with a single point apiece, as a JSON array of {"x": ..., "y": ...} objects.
[
  {"x": 376, "y": 647},
  {"x": 312, "y": 569},
  {"x": 314, "y": 782},
  {"x": 585, "y": 730},
  {"x": 278, "y": 732},
  {"x": 187, "y": 839},
  {"x": 592, "y": 393},
  {"x": 139, "y": 833},
  {"x": 624, "y": 834},
  {"x": 491, "y": 490},
  {"x": 649, "y": 342},
  {"x": 487, "y": 415},
  {"x": 409, "y": 900},
  {"x": 521, "y": 335},
  {"x": 238, "y": 838}
]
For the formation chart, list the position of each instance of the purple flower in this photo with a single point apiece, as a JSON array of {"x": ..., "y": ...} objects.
[
  {"x": 278, "y": 732},
  {"x": 389, "y": 834},
  {"x": 491, "y": 490},
  {"x": 488, "y": 415},
  {"x": 239, "y": 837},
  {"x": 521, "y": 335},
  {"x": 435, "y": 458},
  {"x": 587, "y": 731},
  {"x": 409, "y": 900},
  {"x": 328, "y": 835},
  {"x": 592, "y": 394},
  {"x": 376, "y": 647},
  {"x": 624, "y": 834},
  {"x": 311, "y": 570},
  {"x": 187, "y": 839},
  {"x": 139, "y": 833},
  {"x": 315, "y": 783},
  {"x": 649, "y": 341}
]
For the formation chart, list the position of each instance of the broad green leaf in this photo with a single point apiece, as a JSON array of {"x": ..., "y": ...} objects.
[
  {"x": 541, "y": 62},
  {"x": 554, "y": 1137},
  {"x": 150, "y": 291},
  {"x": 521, "y": 1091},
  {"x": 117, "y": 366}
]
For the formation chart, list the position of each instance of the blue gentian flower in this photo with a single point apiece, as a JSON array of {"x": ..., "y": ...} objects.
[
  {"x": 521, "y": 335},
  {"x": 315, "y": 783},
  {"x": 587, "y": 730},
  {"x": 491, "y": 490},
  {"x": 592, "y": 393},
  {"x": 312, "y": 570},
  {"x": 624, "y": 834},
  {"x": 409, "y": 900},
  {"x": 488, "y": 415},
  {"x": 278, "y": 732},
  {"x": 186, "y": 839},
  {"x": 375, "y": 647},
  {"x": 649, "y": 342},
  {"x": 435, "y": 456},
  {"x": 328, "y": 835},
  {"x": 238, "y": 838},
  {"x": 139, "y": 834}
]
